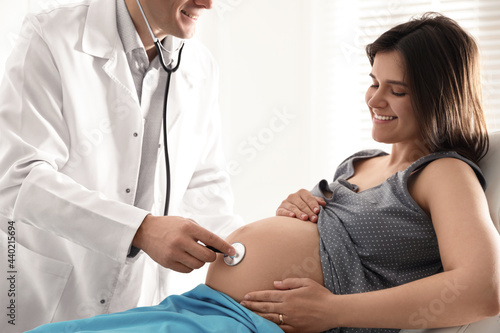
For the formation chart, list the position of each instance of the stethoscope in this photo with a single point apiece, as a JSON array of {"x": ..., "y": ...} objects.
[
  {"x": 239, "y": 247},
  {"x": 169, "y": 71}
]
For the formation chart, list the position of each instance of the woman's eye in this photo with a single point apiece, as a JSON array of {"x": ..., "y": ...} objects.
[
  {"x": 374, "y": 86},
  {"x": 398, "y": 94}
]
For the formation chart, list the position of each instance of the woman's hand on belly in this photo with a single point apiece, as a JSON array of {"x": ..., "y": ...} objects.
[
  {"x": 302, "y": 205},
  {"x": 305, "y": 305}
]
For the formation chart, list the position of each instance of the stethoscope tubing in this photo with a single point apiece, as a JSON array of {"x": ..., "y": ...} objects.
[
  {"x": 165, "y": 138},
  {"x": 169, "y": 71}
]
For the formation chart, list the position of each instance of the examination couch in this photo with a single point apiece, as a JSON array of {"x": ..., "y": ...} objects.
[{"x": 490, "y": 165}]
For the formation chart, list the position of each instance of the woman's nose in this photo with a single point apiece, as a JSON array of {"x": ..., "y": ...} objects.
[{"x": 375, "y": 99}]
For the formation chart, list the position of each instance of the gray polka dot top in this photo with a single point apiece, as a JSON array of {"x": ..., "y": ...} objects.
[{"x": 378, "y": 238}]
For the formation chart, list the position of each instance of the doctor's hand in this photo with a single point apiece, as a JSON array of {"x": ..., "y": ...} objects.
[
  {"x": 302, "y": 205},
  {"x": 172, "y": 242},
  {"x": 304, "y": 305}
]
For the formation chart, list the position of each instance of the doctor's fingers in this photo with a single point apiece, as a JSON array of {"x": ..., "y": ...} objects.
[
  {"x": 186, "y": 263},
  {"x": 179, "y": 262},
  {"x": 186, "y": 234},
  {"x": 210, "y": 239},
  {"x": 181, "y": 267},
  {"x": 176, "y": 256}
]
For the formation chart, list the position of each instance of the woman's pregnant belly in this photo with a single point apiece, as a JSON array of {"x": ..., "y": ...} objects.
[{"x": 276, "y": 248}]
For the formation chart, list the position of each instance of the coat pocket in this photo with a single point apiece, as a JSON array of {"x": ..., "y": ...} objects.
[{"x": 40, "y": 286}]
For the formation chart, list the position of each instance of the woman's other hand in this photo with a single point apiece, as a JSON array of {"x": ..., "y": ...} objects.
[
  {"x": 302, "y": 205},
  {"x": 297, "y": 305}
]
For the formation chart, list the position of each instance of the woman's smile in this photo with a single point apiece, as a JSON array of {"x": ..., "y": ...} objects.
[{"x": 382, "y": 118}]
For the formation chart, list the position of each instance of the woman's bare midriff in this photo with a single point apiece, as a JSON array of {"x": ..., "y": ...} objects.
[{"x": 276, "y": 248}]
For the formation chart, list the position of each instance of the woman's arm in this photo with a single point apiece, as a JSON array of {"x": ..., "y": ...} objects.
[{"x": 468, "y": 289}]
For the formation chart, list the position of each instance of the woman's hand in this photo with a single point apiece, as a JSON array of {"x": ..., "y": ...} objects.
[
  {"x": 298, "y": 305},
  {"x": 302, "y": 205}
]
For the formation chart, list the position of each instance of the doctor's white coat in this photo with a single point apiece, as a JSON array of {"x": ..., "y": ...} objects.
[{"x": 71, "y": 130}]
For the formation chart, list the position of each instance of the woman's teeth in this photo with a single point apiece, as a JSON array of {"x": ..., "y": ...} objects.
[
  {"x": 376, "y": 116},
  {"x": 194, "y": 17}
]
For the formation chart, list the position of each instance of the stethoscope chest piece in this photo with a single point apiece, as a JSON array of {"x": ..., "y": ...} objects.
[{"x": 238, "y": 257}]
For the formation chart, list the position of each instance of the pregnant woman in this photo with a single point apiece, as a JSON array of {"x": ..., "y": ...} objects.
[{"x": 402, "y": 240}]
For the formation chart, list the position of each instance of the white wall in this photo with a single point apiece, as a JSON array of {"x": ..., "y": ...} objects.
[{"x": 262, "y": 48}]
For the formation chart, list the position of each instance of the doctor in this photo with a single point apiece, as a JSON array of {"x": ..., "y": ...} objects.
[{"x": 82, "y": 171}]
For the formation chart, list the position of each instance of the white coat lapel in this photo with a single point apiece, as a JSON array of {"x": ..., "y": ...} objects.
[{"x": 101, "y": 39}]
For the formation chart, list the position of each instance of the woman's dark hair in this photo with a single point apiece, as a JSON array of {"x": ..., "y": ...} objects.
[{"x": 442, "y": 71}]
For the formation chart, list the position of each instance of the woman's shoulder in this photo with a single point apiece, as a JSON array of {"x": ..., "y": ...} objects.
[
  {"x": 439, "y": 178},
  {"x": 447, "y": 165}
]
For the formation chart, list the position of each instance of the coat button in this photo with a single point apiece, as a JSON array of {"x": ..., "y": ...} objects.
[
  {"x": 127, "y": 190},
  {"x": 135, "y": 134},
  {"x": 103, "y": 301}
]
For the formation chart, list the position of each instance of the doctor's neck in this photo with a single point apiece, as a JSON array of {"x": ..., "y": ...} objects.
[{"x": 142, "y": 29}]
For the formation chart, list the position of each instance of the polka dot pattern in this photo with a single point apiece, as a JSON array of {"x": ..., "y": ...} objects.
[{"x": 378, "y": 238}]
